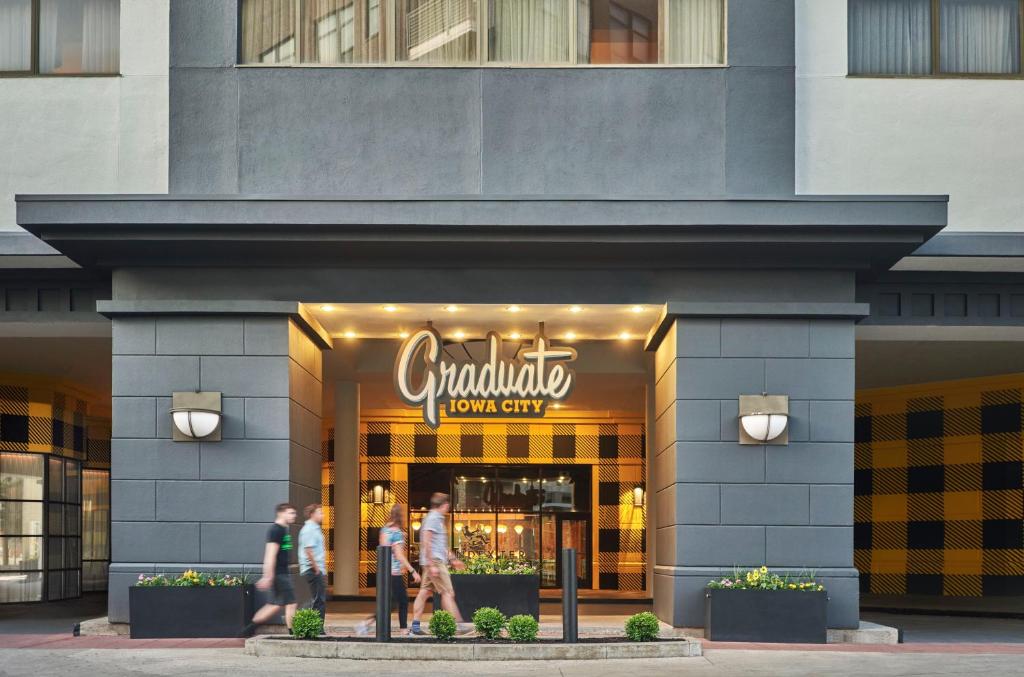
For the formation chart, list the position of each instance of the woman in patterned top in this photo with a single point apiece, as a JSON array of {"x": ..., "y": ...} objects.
[{"x": 393, "y": 534}]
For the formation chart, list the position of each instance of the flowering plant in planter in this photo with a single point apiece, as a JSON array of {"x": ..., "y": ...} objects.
[
  {"x": 191, "y": 579},
  {"x": 763, "y": 579},
  {"x": 496, "y": 564}
]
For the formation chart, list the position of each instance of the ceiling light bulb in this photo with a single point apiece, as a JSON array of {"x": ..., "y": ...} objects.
[
  {"x": 350, "y": 334},
  {"x": 575, "y": 309},
  {"x": 556, "y": 405},
  {"x": 513, "y": 309},
  {"x": 451, "y": 309},
  {"x": 637, "y": 309},
  {"x": 515, "y": 336},
  {"x": 403, "y": 334},
  {"x": 570, "y": 336},
  {"x": 327, "y": 308},
  {"x": 390, "y": 309},
  {"x": 624, "y": 336},
  {"x": 459, "y": 334}
]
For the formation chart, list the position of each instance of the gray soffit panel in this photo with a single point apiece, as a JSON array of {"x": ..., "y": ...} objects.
[{"x": 862, "y": 233}]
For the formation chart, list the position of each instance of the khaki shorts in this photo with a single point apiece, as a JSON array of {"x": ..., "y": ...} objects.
[{"x": 441, "y": 583}]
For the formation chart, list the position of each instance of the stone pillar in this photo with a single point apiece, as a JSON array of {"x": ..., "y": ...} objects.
[
  {"x": 207, "y": 505},
  {"x": 722, "y": 505},
  {"x": 346, "y": 488}
]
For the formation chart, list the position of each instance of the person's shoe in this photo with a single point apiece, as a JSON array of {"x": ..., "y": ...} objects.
[
  {"x": 249, "y": 630},
  {"x": 418, "y": 631},
  {"x": 362, "y": 629}
]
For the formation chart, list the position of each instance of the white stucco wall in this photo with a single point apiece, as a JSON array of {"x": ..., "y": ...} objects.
[
  {"x": 91, "y": 134},
  {"x": 960, "y": 137}
]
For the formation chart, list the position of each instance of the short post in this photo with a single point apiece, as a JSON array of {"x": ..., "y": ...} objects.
[
  {"x": 383, "y": 593},
  {"x": 570, "y": 600}
]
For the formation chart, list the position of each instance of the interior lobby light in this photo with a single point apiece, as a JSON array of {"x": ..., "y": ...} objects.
[
  {"x": 519, "y": 529},
  {"x": 458, "y": 526},
  {"x": 513, "y": 309},
  {"x": 763, "y": 419},
  {"x": 570, "y": 336},
  {"x": 350, "y": 334},
  {"x": 416, "y": 525},
  {"x": 196, "y": 416},
  {"x": 403, "y": 334},
  {"x": 515, "y": 336},
  {"x": 575, "y": 309},
  {"x": 637, "y": 309},
  {"x": 638, "y": 497},
  {"x": 390, "y": 309},
  {"x": 624, "y": 336},
  {"x": 502, "y": 528},
  {"x": 459, "y": 334},
  {"x": 327, "y": 308},
  {"x": 451, "y": 309},
  {"x": 378, "y": 495},
  {"x": 488, "y": 529}
]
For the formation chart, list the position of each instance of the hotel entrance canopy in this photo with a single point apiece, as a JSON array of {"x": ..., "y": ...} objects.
[{"x": 842, "y": 232}]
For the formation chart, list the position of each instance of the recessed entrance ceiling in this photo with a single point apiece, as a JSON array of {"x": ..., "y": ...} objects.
[{"x": 456, "y": 321}]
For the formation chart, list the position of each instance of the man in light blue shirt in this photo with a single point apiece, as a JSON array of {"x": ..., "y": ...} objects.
[{"x": 313, "y": 558}]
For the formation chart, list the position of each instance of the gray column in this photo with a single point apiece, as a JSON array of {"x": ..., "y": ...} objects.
[
  {"x": 346, "y": 488},
  {"x": 720, "y": 505},
  {"x": 207, "y": 505}
]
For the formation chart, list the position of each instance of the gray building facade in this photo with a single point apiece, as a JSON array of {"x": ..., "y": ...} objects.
[{"x": 668, "y": 187}]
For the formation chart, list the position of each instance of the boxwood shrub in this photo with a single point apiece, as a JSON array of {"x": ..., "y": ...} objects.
[
  {"x": 642, "y": 627},
  {"x": 307, "y": 624},
  {"x": 489, "y": 622},
  {"x": 442, "y": 625},
  {"x": 523, "y": 628}
]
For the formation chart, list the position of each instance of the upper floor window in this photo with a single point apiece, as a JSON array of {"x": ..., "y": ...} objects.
[
  {"x": 474, "y": 32},
  {"x": 935, "y": 37},
  {"x": 60, "y": 37}
]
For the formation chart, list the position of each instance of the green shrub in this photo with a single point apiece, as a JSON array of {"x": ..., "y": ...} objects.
[
  {"x": 489, "y": 622},
  {"x": 642, "y": 627},
  {"x": 442, "y": 625},
  {"x": 307, "y": 624},
  {"x": 523, "y": 628}
]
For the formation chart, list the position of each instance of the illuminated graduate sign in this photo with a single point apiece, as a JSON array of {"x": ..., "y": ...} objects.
[{"x": 492, "y": 387}]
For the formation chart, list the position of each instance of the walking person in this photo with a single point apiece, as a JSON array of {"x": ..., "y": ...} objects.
[
  {"x": 313, "y": 558},
  {"x": 434, "y": 559},
  {"x": 276, "y": 579},
  {"x": 393, "y": 534}
]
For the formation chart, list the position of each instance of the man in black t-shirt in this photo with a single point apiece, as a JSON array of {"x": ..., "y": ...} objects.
[{"x": 276, "y": 578}]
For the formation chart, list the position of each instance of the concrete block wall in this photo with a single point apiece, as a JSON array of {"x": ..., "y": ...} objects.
[
  {"x": 207, "y": 505},
  {"x": 720, "y": 505}
]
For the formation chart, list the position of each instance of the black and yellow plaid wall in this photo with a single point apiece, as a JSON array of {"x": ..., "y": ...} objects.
[
  {"x": 616, "y": 450},
  {"x": 37, "y": 415},
  {"x": 939, "y": 488}
]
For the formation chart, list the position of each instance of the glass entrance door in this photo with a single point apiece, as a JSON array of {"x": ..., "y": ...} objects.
[{"x": 574, "y": 532}]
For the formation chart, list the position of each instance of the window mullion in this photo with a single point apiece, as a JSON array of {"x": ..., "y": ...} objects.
[
  {"x": 34, "y": 38},
  {"x": 574, "y": 31},
  {"x": 936, "y": 49},
  {"x": 481, "y": 32}
]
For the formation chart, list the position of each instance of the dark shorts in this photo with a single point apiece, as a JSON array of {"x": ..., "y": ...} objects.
[{"x": 282, "y": 592}]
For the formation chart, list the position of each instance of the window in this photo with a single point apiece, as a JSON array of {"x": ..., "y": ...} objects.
[
  {"x": 476, "y": 32},
  {"x": 935, "y": 37},
  {"x": 60, "y": 37}
]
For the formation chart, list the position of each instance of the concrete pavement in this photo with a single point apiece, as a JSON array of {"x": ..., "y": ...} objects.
[{"x": 715, "y": 662}]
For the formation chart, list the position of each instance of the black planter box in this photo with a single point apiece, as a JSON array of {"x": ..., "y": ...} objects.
[
  {"x": 765, "y": 616},
  {"x": 508, "y": 593},
  {"x": 168, "y": 611}
]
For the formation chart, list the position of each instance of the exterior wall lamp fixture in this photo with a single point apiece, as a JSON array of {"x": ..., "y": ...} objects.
[
  {"x": 377, "y": 495},
  {"x": 763, "y": 419},
  {"x": 196, "y": 416},
  {"x": 638, "y": 497}
]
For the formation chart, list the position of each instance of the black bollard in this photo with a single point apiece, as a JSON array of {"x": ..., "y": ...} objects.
[
  {"x": 383, "y": 593},
  {"x": 570, "y": 601}
]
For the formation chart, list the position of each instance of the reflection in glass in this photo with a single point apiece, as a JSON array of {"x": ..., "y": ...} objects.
[
  {"x": 55, "y": 470},
  {"x": 549, "y": 552},
  {"x": 518, "y": 536},
  {"x": 519, "y": 491},
  {"x": 79, "y": 36},
  {"x": 21, "y": 553},
  {"x": 21, "y": 476},
  {"x": 475, "y": 493},
  {"x": 559, "y": 493},
  {"x": 437, "y": 31},
  {"x": 20, "y": 518},
  {"x": 21, "y": 586}
]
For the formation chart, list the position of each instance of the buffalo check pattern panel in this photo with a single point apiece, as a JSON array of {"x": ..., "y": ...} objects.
[{"x": 939, "y": 488}]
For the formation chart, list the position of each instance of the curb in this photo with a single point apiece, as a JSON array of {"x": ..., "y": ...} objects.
[{"x": 285, "y": 647}]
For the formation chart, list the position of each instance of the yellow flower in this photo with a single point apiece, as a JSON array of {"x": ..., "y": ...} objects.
[
  {"x": 792, "y": 587},
  {"x": 764, "y": 569}
]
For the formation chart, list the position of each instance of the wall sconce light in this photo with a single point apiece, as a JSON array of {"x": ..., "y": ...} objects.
[
  {"x": 488, "y": 529},
  {"x": 638, "y": 497},
  {"x": 502, "y": 528},
  {"x": 196, "y": 417},
  {"x": 416, "y": 526},
  {"x": 763, "y": 419},
  {"x": 377, "y": 495},
  {"x": 518, "y": 529}
]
